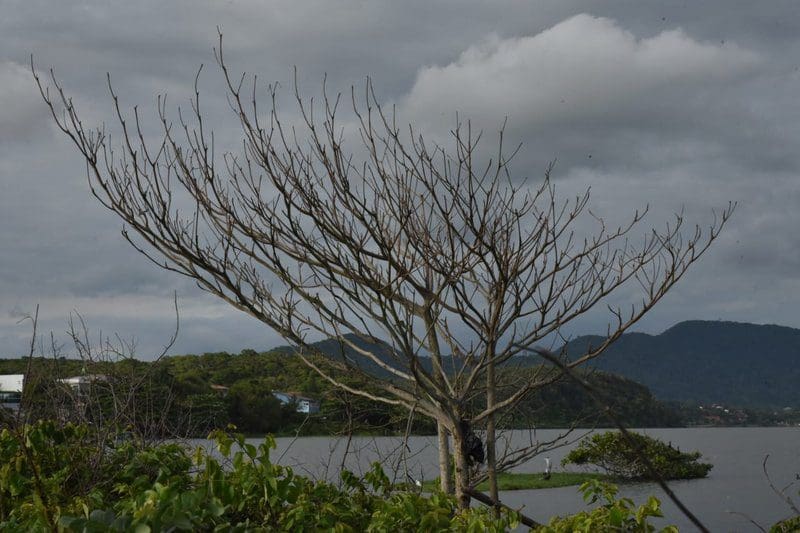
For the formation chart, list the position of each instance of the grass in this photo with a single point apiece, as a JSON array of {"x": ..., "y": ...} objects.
[{"x": 513, "y": 481}]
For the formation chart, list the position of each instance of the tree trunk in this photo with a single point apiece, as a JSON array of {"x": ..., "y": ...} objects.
[
  {"x": 445, "y": 471},
  {"x": 491, "y": 449},
  {"x": 445, "y": 476},
  {"x": 461, "y": 470}
]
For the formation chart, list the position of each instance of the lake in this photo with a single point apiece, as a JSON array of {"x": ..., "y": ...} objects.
[{"x": 735, "y": 492}]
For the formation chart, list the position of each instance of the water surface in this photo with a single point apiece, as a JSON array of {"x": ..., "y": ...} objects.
[{"x": 735, "y": 493}]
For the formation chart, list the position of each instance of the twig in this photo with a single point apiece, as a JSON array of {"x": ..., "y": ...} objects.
[
  {"x": 759, "y": 526},
  {"x": 780, "y": 493},
  {"x": 294, "y": 439}
]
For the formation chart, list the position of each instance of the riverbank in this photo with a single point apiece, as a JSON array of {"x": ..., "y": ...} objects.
[{"x": 522, "y": 481}]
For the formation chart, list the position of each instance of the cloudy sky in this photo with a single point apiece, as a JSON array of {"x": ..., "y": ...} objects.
[{"x": 679, "y": 105}]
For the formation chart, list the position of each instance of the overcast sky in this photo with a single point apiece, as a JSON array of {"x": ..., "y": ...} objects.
[{"x": 679, "y": 105}]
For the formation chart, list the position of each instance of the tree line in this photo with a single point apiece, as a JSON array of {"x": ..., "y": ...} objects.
[{"x": 194, "y": 394}]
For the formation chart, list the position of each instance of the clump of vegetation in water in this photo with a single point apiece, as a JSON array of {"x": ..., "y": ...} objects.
[{"x": 621, "y": 457}]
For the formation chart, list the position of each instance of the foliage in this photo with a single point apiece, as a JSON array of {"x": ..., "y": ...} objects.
[
  {"x": 563, "y": 402},
  {"x": 615, "y": 514},
  {"x": 786, "y": 526},
  {"x": 614, "y": 453},
  {"x": 50, "y": 469},
  {"x": 181, "y": 388},
  {"x": 61, "y": 478}
]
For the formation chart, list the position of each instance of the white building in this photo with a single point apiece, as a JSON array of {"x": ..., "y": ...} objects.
[
  {"x": 11, "y": 390},
  {"x": 304, "y": 404},
  {"x": 82, "y": 383}
]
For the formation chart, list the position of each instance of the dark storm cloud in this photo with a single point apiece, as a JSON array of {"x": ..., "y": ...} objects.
[{"x": 682, "y": 105}]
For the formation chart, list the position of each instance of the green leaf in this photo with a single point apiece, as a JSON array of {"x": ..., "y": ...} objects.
[{"x": 615, "y": 517}]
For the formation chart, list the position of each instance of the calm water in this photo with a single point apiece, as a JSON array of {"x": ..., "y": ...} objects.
[{"x": 735, "y": 492}]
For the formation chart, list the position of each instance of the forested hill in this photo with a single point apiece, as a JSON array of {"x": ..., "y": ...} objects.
[
  {"x": 709, "y": 362},
  {"x": 739, "y": 364},
  {"x": 195, "y": 393}
]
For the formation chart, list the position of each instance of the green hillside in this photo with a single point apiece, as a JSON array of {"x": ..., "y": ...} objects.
[
  {"x": 192, "y": 394},
  {"x": 708, "y": 362}
]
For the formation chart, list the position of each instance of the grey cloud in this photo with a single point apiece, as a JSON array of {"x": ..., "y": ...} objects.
[
  {"x": 589, "y": 64},
  {"x": 21, "y": 113},
  {"x": 567, "y": 88},
  {"x": 680, "y": 105}
]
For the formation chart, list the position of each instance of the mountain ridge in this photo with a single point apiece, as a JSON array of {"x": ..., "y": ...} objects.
[
  {"x": 693, "y": 361},
  {"x": 705, "y": 361}
]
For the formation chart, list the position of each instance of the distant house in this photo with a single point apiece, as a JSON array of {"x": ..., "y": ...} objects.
[
  {"x": 82, "y": 383},
  {"x": 11, "y": 390},
  {"x": 303, "y": 403}
]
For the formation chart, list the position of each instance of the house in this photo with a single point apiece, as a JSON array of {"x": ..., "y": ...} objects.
[
  {"x": 82, "y": 383},
  {"x": 11, "y": 390},
  {"x": 303, "y": 403}
]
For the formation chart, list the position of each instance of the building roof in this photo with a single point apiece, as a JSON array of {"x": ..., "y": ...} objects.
[
  {"x": 80, "y": 380},
  {"x": 11, "y": 382}
]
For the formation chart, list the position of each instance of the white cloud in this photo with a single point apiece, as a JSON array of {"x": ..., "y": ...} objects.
[{"x": 584, "y": 67}]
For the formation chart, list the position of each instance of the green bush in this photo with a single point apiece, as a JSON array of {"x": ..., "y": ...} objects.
[
  {"x": 786, "y": 526},
  {"x": 65, "y": 478},
  {"x": 616, "y": 514},
  {"x": 615, "y": 454},
  {"x": 48, "y": 470},
  {"x": 68, "y": 478}
]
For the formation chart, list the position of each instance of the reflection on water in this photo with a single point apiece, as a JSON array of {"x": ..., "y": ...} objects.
[{"x": 735, "y": 492}]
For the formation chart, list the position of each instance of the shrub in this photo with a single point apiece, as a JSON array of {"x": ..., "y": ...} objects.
[
  {"x": 65, "y": 478},
  {"x": 615, "y": 454},
  {"x": 616, "y": 514},
  {"x": 62, "y": 477},
  {"x": 49, "y": 469},
  {"x": 786, "y": 526}
]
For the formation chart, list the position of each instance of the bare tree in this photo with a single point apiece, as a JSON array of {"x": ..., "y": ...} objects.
[
  {"x": 104, "y": 387},
  {"x": 438, "y": 251}
]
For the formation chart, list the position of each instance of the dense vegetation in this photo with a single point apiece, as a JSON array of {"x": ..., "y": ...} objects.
[
  {"x": 70, "y": 478},
  {"x": 45, "y": 485},
  {"x": 621, "y": 457},
  {"x": 179, "y": 390},
  {"x": 611, "y": 515},
  {"x": 563, "y": 403}
]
